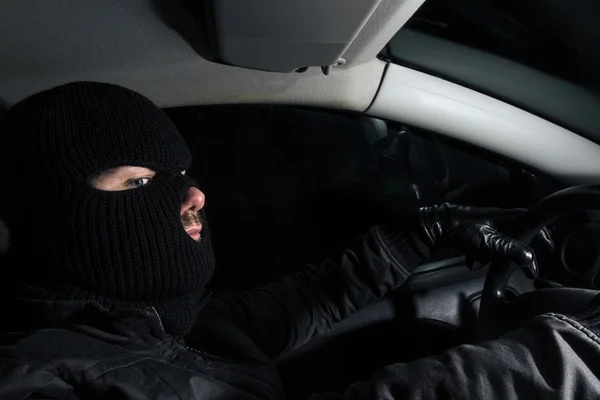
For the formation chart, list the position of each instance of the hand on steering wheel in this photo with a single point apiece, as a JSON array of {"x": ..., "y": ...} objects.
[
  {"x": 498, "y": 314},
  {"x": 482, "y": 233}
]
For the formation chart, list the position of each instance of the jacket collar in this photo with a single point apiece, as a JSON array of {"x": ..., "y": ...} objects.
[{"x": 33, "y": 314}]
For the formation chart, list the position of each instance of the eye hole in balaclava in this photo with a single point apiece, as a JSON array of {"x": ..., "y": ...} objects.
[
  {"x": 128, "y": 177},
  {"x": 120, "y": 248}
]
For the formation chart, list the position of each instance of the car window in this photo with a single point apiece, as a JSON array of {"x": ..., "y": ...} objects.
[
  {"x": 539, "y": 56},
  {"x": 286, "y": 185},
  {"x": 554, "y": 37}
]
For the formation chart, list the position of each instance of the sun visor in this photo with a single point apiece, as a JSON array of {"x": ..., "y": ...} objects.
[{"x": 285, "y": 35}]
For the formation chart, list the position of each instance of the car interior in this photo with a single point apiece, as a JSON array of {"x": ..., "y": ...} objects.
[{"x": 289, "y": 108}]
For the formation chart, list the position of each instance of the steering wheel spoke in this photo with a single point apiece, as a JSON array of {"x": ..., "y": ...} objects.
[{"x": 497, "y": 314}]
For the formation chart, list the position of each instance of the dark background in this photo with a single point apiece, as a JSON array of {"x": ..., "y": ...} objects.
[{"x": 289, "y": 185}]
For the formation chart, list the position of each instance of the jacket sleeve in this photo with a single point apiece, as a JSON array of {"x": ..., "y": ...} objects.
[
  {"x": 551, "y": 357},
  {"x": 283, "y": 315}
]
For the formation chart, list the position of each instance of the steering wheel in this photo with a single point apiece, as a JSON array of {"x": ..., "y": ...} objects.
[{"x": 497, "y": 314}]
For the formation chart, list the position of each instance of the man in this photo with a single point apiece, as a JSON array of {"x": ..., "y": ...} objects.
[{"x": 112, "y": 252}]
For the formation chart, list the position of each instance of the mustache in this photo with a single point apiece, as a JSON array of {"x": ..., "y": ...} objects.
[{"x": 191, "y": 218}]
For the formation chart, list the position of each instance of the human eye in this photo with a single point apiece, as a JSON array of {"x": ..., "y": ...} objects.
[{"x": 137, "y": 182}]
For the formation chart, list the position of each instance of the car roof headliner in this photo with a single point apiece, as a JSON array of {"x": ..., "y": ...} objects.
[{"x": 137, "y": 44}]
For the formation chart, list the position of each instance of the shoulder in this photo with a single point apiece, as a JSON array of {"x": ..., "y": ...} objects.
[
  {"x": 25, "y": 372},
  {"x": 46, "y": 347},
  {"x": 53, "y": 353}
]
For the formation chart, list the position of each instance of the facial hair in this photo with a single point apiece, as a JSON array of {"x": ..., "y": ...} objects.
[{"x": 191, "y": 219}]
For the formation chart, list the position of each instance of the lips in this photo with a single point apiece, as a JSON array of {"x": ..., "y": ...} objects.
[{"x": 195, "y": 232}]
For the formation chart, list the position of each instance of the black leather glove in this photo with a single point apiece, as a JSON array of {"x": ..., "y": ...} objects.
[{"x": 481, "y": 233}]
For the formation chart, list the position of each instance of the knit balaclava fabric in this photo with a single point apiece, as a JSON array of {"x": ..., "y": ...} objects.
[{"x": 122, "y": 249}]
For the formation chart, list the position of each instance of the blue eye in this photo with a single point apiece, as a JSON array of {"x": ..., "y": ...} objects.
[{"x": 138, "y": 182}]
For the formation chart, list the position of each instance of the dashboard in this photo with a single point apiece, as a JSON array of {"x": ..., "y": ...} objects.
[{"x": 575, "y": 259}]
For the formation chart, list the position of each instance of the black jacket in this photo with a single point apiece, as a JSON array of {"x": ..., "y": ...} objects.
[{"x": 72, "y": 350}]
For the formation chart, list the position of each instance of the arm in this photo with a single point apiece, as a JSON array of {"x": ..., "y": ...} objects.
[
  {"x": 551, "y": 357},
  {"x": 285, "y": 314}
]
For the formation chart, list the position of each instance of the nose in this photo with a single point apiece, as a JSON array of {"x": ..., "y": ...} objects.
[{"x": 193, "y": 200}]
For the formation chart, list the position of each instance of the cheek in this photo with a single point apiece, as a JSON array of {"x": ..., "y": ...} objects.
[{"x": 101, "y": 182}]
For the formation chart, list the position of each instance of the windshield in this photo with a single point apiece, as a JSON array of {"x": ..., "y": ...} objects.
[{"x": 560, "y": 38}]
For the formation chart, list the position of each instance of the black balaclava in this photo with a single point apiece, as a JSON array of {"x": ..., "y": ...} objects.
[{"x": 122, "y": 249}]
